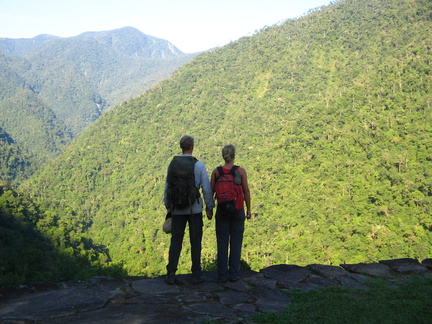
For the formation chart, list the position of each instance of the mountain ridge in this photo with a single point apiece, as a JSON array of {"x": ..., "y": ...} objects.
[
  {"x": 116, "y": 37},
  {"x": 76, "y": 79},
  {"x": 21, "y": 46}
]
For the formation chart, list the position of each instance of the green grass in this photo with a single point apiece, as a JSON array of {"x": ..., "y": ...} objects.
[{"x": 398, "y": 302}]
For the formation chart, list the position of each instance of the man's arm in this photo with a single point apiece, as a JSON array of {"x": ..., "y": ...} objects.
[
  {"x": 166, "y": 202},
  {"x": 207, "y": 192}
]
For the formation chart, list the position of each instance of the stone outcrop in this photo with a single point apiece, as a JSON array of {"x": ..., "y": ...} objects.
[{"x": 142, "y": 300}]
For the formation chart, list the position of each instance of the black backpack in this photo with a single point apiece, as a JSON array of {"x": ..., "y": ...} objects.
[{"x": 182, "y": 191}]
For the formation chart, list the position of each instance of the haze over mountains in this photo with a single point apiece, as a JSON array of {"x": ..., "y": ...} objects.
[
  {"x": 331, "y": 117},
  {"x": 53, "y": 88}
]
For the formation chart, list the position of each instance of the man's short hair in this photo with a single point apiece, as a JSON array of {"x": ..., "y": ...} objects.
[{"x": 186, "y": 143}]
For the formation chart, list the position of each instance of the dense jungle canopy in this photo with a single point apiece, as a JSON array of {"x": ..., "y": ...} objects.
[{"x": 331, "y": 117}]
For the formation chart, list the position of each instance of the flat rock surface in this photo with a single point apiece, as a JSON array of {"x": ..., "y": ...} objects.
[
  {"x": 144, "y": 300},
  {"x": 372, "y": 269}
]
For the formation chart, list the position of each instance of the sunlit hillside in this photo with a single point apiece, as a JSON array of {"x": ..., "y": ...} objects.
[{"x": 331, "y": 117}]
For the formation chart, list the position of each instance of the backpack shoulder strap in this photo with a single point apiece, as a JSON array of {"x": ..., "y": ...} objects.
[
  {"x": 220, "y": 172},
  {"x": 233, "y": 169}
]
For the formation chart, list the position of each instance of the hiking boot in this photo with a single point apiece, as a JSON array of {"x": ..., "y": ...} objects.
[{"x": 170, "y": 279}]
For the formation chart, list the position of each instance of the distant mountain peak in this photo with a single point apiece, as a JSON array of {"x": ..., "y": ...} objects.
[
  {"x": 127, "y": 40},
  {"x": 132, "y": 41}
]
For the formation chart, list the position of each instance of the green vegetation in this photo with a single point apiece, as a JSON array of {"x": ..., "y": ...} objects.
[
  {"x": 13, "y": 163},
  {"x": 53, "y": 88},
  {"x": 82, "y": 76},
  {"x": 33, "y": 132},
  {"x": 331, "y": 117},
  {"x": 27, "y": 252},
  {"x": 330, "y": 114},
  {"x": 401, "y": 302}
]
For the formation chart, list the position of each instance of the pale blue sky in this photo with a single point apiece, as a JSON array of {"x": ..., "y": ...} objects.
[{"x": 191, "y": 25}]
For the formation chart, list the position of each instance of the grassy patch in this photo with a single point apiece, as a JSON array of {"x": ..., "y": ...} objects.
[{"x": 398, "y": 302}]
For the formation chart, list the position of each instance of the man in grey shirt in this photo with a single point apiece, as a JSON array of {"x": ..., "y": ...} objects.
[{"x": 191, "y": 215}]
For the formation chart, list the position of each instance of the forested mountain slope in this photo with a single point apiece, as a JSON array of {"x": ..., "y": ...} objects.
[
  {"x": 13, "y": 162},
  {"x": 331, "y": 117},
  {"x": 31, "y": 126},
  {"x": 27, "y": 254},
  {"x": 73, "y": 80},
  {"x": 82, "y": 76}
]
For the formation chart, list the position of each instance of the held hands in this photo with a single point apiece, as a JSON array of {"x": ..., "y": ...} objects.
[{"x": 209, "y": 212}]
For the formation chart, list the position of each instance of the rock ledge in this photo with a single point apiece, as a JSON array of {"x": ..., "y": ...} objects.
[{"x": 141, "y": 300}]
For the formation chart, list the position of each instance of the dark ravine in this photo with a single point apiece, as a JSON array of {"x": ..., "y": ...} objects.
[{"x": 143, "y": 300}]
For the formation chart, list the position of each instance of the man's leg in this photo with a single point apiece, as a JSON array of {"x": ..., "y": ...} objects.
[
  {"x": 195, "y": 237},
  {"x": 177, "y": 234}
]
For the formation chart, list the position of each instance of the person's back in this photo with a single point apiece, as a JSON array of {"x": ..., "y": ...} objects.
[
  {"x": 186, "y": 175},
  {"x": 228, "y": 189},
  {"x": 182, "y": 190},
  {"x": 230, "y": 221}
]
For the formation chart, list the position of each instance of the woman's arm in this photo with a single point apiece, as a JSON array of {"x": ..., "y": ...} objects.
[{"x": 246, "y": 192}]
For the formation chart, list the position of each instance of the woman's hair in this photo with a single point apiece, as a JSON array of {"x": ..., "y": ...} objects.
[
  {"x": 228, "y": 153},
  {"x": 186, "y": 143}
]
